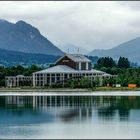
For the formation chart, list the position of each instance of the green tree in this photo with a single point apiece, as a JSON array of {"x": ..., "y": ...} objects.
[
  {"x": 85, "y": 82},
  {"x": 123, "y": 62},
  {"x": 107, "y": 62}
]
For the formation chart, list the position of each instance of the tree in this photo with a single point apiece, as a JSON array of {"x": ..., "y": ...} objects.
[
  {"x": 96, "y": 82},
  {"x": 2, "y": 82},
  {"x": 123, "y": 62},
  {"x": 107, "y": 62},
  {"x": 118, "y": 80},
  {"x": 85, "y": 82}
]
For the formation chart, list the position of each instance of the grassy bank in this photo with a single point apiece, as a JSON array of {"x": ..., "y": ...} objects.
[
  {"x": 116, "y": 89},
  {"x": 43, "y": 89}
]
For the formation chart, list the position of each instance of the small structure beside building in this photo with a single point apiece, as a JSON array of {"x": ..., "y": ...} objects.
[
  {"x": 19, "y": 80},
  {"x": 132, "y": 85},
  {"x": 118, "y": 85},
  {"x": 69, "y": 66}
]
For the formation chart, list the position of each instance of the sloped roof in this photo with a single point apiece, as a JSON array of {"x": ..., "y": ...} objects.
[
  {"x": 76, "y": 58},
  {"x": 20, "y": 76},
  {"x": 106, "y": 74},
  {"x": 57, "y": 69},
  {"x": 66, "y": 69}
]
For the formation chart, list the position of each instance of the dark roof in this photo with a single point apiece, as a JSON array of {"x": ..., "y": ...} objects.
[{"x": 76, "y": 58}]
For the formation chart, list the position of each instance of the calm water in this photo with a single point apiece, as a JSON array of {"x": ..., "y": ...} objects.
[{"x": 69, "y": 117}]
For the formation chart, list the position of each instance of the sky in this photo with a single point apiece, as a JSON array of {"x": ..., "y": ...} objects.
[{"x": 86, "y": 24}]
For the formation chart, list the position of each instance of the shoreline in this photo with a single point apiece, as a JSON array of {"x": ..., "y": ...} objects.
[
  {"x": 99, "y": 93},
  {"x": 97, "y": 89}
]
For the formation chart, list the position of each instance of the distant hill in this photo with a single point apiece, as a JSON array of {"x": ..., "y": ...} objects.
[
  {"x": 11, "y": 58},
  {"x": 23, "y": 37},
  {"x": 129, "y": 49}
]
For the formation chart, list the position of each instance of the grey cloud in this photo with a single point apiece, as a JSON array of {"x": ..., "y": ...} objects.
[
  {"x": 91, "y": 25},
  {"x": 134, "y": 5}
]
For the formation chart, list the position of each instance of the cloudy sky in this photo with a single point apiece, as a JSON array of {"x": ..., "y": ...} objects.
[{"x": 90, "y": 25}]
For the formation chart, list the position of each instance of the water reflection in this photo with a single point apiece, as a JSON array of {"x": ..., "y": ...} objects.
[{"x": 46, "y": 109}]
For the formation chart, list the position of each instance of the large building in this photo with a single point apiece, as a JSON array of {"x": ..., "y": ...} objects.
[{"x": 69, "y": 66}]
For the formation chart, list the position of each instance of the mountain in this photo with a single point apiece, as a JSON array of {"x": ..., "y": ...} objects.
[
  {"x": 11, "y": 58},
  {"x": 129, "y": 49},
  {"x": 23, "y": 37},
  {"x": 73, "y": 49}
]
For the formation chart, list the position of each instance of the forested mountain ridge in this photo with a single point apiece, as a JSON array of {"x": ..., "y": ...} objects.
[{"x": 11, "y": 58}]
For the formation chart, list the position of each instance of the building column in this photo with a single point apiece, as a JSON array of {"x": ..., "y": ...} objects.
[
  {"x": 43, "y": 79},
  {"x": 46, "y": 79},
  {"x": 79, "y": 65},
  {"x": 72, "y": 75},
  {"x": 34, "y": 78},
  {"x": 15, "y": 82},
  {"x": 86, "y": 65},
  {"x": 101, "y": 81},
  {"x": 50, "y": 79},
  {"x": 55, "y": 78},
  {"x": 63, "y": 78},
  {"x": 68, "y": 76},
  {"x": 39, "y": 77}
]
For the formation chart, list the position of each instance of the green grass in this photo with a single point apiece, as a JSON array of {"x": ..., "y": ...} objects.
[{"x": 117, "y": 89}]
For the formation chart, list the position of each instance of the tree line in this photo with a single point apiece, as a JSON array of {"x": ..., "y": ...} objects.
[
  {"x": 108, "y": 62},
  {"x": 126, "y": 74}
]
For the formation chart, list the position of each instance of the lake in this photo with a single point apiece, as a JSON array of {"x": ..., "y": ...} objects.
[{"x": 69, "y": 116}]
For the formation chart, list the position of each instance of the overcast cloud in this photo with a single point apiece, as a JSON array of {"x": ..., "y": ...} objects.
[{"x": 90, "y": 25}]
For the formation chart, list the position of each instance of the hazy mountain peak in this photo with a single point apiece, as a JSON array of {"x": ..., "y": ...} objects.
[
  {"x": 21, "y": 22},
  {"x": 23, "y": 37},
  {"x": 129, "y": 49},
  {"x": 24, "y": 24},
  {"x": 3, "y": 20}
]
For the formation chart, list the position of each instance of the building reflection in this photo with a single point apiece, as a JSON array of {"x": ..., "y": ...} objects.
[{"x": 68, "y": 108}]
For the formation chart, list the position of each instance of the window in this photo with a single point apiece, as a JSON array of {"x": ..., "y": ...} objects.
[
  {"x": 65, "y": 76},
  {"x": 77, "y": 66},
  {"x": 53, "y": 79},
  {"x": 65, "y": 60},
  {"x": 70, "y": 75},
  {"x": 57, "y": 74},
  {"x": 58, "y": 78},
  {"x": 83, "y": 66}
]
